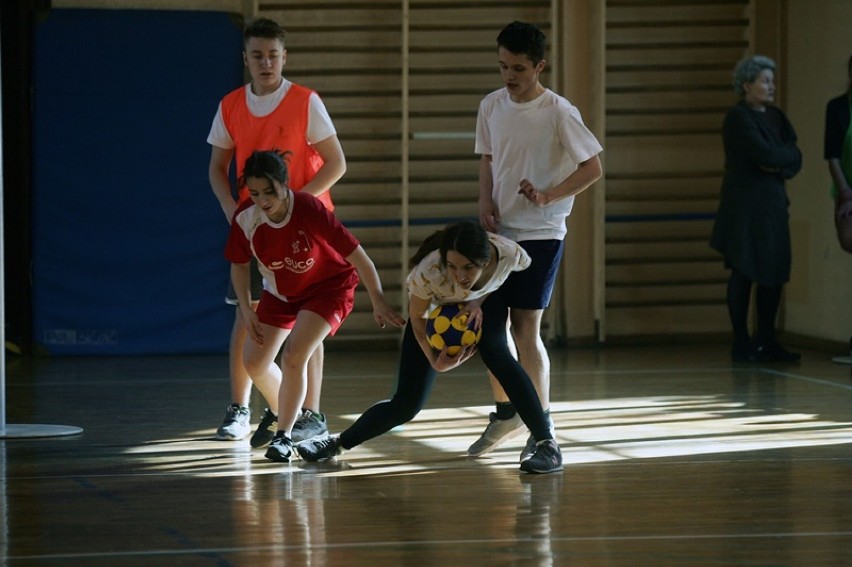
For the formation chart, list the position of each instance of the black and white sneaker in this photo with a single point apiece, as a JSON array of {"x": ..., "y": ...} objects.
[
  {"x": 529, "y": 447},
  {"x": 546, "y": 459},
  {"x": 265, "y": 430},
  {"x": 281, "y": 449},
  {"x": 320, "y": 448},
  {"x": 309, "y": 425}
]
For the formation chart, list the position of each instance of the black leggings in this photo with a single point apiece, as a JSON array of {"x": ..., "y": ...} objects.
[
  {"x": 767, "y": 299},
  {"x": 416, "y": 377}
]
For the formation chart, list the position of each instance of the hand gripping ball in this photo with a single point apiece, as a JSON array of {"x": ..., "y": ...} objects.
[{"x": 445, "y": 327}]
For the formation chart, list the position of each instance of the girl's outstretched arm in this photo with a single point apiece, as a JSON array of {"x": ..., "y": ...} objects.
[{"x": 383, "y": 313}]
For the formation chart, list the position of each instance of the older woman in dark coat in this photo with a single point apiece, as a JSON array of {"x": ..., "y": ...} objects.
[{"x": 752, "y": 225}]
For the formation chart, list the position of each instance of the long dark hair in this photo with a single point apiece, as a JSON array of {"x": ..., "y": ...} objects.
[
  {"x": 271, "y": 164},
  {"x": 467, "y": 238}
]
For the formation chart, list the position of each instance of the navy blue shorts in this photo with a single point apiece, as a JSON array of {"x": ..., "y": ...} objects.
[{"x": 533, "y": 287}]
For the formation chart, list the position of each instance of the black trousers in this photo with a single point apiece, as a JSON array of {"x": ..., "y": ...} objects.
[{"x": 416, "y": 377}]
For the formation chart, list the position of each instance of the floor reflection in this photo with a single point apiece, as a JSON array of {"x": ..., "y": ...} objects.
[{"x": 672, "y": 457}]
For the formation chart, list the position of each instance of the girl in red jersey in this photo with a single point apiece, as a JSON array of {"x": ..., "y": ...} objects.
[{"x": 310, "y": 265}]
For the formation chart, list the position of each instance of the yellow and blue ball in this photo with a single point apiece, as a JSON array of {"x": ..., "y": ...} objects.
[{"x": 446, "y": 327}]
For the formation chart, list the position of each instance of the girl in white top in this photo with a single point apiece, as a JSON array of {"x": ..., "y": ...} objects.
[{"x": 460, "y": 264}]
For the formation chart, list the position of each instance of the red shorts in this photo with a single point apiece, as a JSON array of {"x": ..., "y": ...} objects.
[{"x": 334, "y": 308}]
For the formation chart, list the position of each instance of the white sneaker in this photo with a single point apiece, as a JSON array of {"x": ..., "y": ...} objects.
[
  {"x": 496, "y": 433},
  {"x": 236, "y": 424}
]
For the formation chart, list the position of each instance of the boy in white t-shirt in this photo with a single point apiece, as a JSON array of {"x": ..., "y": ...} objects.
[{"x": 536, "y": 156}]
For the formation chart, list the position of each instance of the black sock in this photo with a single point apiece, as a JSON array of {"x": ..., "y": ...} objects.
[
  {"x": 768, "y": 300},
  {"x": 505, "y": 410}
]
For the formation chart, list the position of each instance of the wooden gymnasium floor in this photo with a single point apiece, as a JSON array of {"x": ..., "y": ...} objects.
[{"x": 674, "y": 456}]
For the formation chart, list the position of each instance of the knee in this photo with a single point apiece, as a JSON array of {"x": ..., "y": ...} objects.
[
  {"x": 529, "y": 342},
  {"x": 492, "y": 340},
  {"x": 407, "y": 415},
  {"x": 493, "y": 352},
  {"x": 526, "y": 327},
  {"x": 255, "y": 366},
  {"x": 292, "y": 360},
  {"x": 404, "y": 410}
]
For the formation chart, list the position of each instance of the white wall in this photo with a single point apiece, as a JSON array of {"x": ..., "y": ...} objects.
[{"x": 819, "y": 44}]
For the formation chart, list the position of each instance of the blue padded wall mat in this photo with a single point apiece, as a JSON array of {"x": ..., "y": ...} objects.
[{"x": 128, "y": 238}]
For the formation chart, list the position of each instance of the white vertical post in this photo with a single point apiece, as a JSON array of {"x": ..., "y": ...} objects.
[{"x": 2, "y": 283}]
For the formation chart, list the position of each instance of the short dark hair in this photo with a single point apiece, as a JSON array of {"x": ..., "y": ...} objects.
[
  {"x": 266, "y": 29},
  {"x": 522, "y": 38}
]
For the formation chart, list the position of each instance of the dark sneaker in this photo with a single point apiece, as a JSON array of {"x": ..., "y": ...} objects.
[
  {"x": 236, "y": 425},
  {"x": 265, "y": 430},
  {"x": 281, "y": 449},
  {"x": 319, "y": 449},
  {"x": 497, "y": 432},
  {"x": 743, "y": 351},
  {"x": 529, "y": 448},
  {"x": 546, "y": 459},
  {"x": 309, "y": 425},
  {"x": 774, "y": 352}
]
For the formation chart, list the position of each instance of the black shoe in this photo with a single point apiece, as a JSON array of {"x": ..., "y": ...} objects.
[
  {"x": 319, "y": 449},
  {"x": 744, "y": 352},
  {"x": 281, "y": 449},
  {"x": 774, "y": 352},
  {"x": 265, "y": 430},
  {"x": 546, "y": 459}
]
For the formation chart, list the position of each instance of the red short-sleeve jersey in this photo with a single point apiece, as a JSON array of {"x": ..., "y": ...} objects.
[{"x": 303, "y": 256}]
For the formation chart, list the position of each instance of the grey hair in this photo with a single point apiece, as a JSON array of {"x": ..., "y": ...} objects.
[{"x": 748, "y": 69}]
